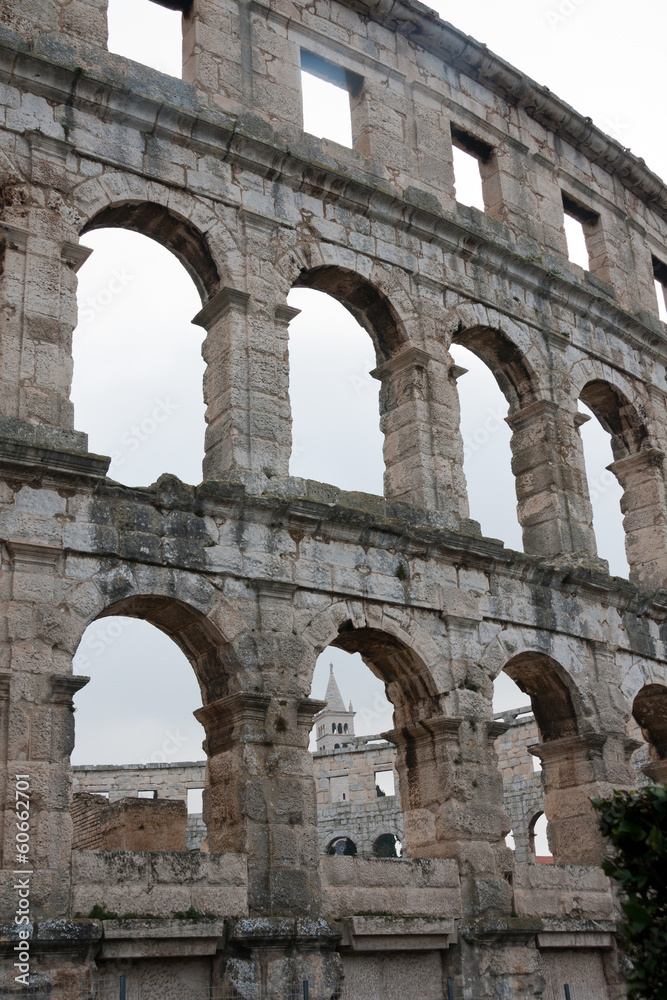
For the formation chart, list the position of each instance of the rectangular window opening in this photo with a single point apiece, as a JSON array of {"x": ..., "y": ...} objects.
[
  {"x": 469, "y": 153},
  {"x": 384, "y": 783},
  {"x": 326, "y": 90},
  {"x": 578, "y": 222},
  {"x": 660, "y": 279},
  {"x": 148, "y": 31},
  {"x": 195, "y": 801},
  {"x": 147, "y": 794}
]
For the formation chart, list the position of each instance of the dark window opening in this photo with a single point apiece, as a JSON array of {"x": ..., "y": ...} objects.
[
  {"x": 388, "y": 845},
  {"x": 660, "y": 279},
  {"x": 344, "y": 846}
]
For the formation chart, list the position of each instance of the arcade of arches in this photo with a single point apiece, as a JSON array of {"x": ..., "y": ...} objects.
[{"x": 253, "y": 572}]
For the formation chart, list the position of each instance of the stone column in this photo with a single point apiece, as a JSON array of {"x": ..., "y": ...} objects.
[
  {"x": 451, "y": 789},
  {"x": 260, "y": 797},
  {"x": 419, "y": 417},
  {"x": 644, "y": 506},
  {"x": 38, "y": 731},
  {"x": 548, "y": 463},
  {"x": 576, "y": 769},
  {"x": 38, "y": 307},
  {"x": 40, "y": 738},
  {"x": 260, "y": 801},
  {"x": 245, "y": 387},
  {"x": 378, "y": 110},
  {"x": 217, "y": 54}
]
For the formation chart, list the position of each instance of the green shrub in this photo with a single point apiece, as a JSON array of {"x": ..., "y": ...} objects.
[
  {"x": 101, "y": 913},
  {"x": 636, "y": 825}
]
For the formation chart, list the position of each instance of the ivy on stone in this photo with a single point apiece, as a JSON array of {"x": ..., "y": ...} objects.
[{"x": 636, "y": 824}]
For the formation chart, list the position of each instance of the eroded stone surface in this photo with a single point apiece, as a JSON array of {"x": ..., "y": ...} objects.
[{"x": 254, "y": 573}]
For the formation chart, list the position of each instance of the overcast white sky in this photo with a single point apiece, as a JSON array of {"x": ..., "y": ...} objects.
[{"x": 136, "y": 301}]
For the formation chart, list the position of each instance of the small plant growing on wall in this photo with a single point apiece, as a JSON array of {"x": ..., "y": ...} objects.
[{"x": 636, "y": 824}]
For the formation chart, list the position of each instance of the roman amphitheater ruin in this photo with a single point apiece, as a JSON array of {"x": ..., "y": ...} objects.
[{"x": 254, "y": 573}]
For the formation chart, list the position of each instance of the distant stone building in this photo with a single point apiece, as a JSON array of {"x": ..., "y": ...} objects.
[{"x": 358, "y": 805}]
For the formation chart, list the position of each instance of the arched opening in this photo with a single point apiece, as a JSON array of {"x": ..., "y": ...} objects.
[
  {"x": 568, "y": 756},
  {"x": 336, "y": 435},
  {"x": 388, "y": 845},
  {"x": 343, "y": 846},
  {"x": 650, "y": 712},
  {"x": 138, "y": 370},
  {"x": 610, "y": 431},
  {"x": 522, "y": 782},
  {"x": 346, "y": 329},
  {"x": 538, "y": 840},
  {"x": 496, "y": 382},
  {"x": 541, "y": 678},
  {"x": 618, "y": 469},
  {"x": 358, "y": 776},
  {"x": 134, "y": 729}
]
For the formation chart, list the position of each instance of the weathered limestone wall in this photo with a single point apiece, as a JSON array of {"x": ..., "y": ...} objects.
[
  {"x": 253, "y": 573},
  {"x": 116, "y": 781},
  {"x": 128, "y": 824},
  {"x": 159, "y": 883}
]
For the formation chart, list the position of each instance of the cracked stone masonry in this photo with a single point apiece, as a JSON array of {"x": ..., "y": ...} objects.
[{"x": 253, "y": 573}]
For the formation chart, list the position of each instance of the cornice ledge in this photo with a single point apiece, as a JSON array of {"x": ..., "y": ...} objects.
[
  {"x": 424, "y": 27},
  {"x": 356, "y": 193}
]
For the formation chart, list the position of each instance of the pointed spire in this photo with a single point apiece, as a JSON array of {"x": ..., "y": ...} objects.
[
  {"x": 350, "y": 709},
  {"x": 333, "y": 697}
]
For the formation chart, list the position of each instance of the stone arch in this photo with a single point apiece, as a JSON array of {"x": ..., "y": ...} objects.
[
  {"x": 186, "y": 608},
  {"x": 530, "y": 661},
  {"x": 620, "y": 418},
  {"x": 649, "y": 709},
  {"x": 171, "y": 230},
  {"x": 405, "y": 661},
  {"x": 624, "y": 388},
  {"x": 638, "y": 466},
  {"x": 504, "y": 346},
  {"x": 545, "y": 682},
  {"x": 349, "y": 847},
  {"x": 379, "y": 842},
  {"x": 532, "y": 832},
  {"x": 176, "y": 219},
  {"x": 194, "y": 634},
  {"x": 371, "y": 307},
  {"x": 376, "y": 294},
  {"x": 509, "y": 366}
]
